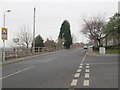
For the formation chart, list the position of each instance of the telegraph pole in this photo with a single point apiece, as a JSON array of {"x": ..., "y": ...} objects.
[{"x": 33, "y": 48}]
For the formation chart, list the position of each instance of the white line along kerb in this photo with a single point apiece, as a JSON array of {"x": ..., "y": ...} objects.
[
  {"x": 74, "y": 82},
  {"x": 16, "y": 72}
]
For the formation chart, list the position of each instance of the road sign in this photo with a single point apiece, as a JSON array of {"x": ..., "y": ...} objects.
[
  {"x": 4, "y": 33},
  {"x": 16, "y": 40}
]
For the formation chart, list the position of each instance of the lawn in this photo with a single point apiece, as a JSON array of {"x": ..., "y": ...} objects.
[
  {"x": 113, "y": 51},
  {"x": 109, "y": 51}
]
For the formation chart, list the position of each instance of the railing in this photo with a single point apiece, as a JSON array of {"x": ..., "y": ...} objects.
[{"x": 22, "y": 52}]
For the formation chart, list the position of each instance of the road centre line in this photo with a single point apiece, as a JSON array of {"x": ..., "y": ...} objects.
[
  {"x": 16, "y": 72},
  {"x": 79, "y": 70},
  {"x": 87, "y": 75},
  {"x": 77, "y": 75},
  {"x": 86, "y": 83},
  {"x": 83, "y": 59},
  {"x": 74, "y": 82},
  {"x": 80, "y": 66},
  {"x": 87, "y": 66},
  {"x": 87, "y": 70}
]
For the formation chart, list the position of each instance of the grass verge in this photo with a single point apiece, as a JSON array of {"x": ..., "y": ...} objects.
[
  {"x": 112, "y": 51},
  {"x": 109, "y": 51}
]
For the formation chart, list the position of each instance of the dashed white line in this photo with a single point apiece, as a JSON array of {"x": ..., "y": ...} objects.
[
  {"x": 83, "y": 59},
  {"x": 87, "y": 75},
  {"x": 80, "y": 66},
  {"x": 79, "y": 70},
  {"x": 86, "y": 83},
  {"x": 87, "y": 66},
  {"x": 77, "y": 75},
  {"x": 16, "y": 72},
  {"x": 87, "y": 70},
  {"x": 74, "y": 82}
]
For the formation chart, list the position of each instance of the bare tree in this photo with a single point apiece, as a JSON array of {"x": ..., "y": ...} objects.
[
  {"x": 25, "y": 36},
  {"x": 94, "y": 29}
]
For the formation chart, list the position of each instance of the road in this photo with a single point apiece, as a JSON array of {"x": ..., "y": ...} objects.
[{"x": 64, "y": 69}]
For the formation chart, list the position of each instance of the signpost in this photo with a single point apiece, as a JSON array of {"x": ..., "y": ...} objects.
[
  {"x": 16, "y": 40},
  {"x": 4, "y": 33}
]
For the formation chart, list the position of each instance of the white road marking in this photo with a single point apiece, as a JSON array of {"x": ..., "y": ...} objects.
[
  {"x": 16, "y": 72},
  {"x": 87, "y": 75},
  {"x": 86, "y": 83},
  {"x": 104, "y": 63},
  {"x": 87, "y": 66},
  {"x": 74, "y": 82},
  {"x": 83, "y": 59},
  {"x": 80, "y": 66},
  {"x": 87, "y": 70},
  {"x": 79, "y": 70},
  {"x": 77, "y": 75}
]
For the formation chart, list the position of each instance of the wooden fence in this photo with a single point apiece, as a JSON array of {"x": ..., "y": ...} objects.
[{"x": 22, "y": 52}]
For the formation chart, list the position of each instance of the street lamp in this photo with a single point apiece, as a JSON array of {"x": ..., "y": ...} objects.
[
  {"x": 3, "y": 39},
  {"x": 4, "y": 16},
  {"x": 33, "y": 48}
]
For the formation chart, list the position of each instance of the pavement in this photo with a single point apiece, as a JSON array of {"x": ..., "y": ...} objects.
[
  {"x": 74, "y": 68},
  {"x": 15, "y": 60}
]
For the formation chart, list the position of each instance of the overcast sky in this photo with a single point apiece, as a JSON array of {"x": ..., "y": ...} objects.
[{"x": 50, "y": 14}]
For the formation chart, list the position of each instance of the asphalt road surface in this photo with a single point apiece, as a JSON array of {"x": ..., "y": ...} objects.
[{"x": 63, "y": 69}]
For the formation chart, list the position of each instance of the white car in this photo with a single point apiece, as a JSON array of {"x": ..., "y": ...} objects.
[
  {"x": 85, "y": 47},
  {"x": 91, "y": 46}
]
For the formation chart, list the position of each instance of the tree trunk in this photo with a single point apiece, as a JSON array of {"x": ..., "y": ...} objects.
[{"x": 106, "y": 40}]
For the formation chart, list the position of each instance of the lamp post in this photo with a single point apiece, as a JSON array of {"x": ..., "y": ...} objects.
[
  {"x": 33, "y": 48},
  {"x": 4, "y": 39}
]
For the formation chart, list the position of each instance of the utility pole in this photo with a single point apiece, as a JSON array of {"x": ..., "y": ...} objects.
[
  {"x": 3, "y": 53},
  {"x": 33, "y": 48}
]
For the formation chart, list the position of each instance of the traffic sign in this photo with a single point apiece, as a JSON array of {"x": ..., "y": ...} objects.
[
  {"x": 16, "y": 40},
  {"x": 4, "y": 33}
]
